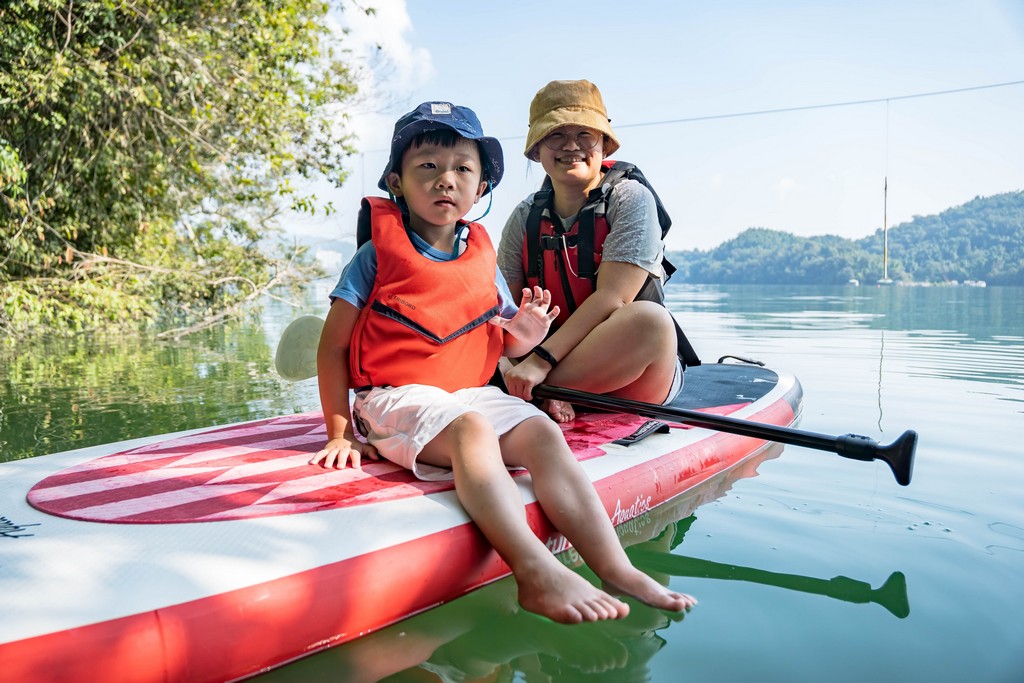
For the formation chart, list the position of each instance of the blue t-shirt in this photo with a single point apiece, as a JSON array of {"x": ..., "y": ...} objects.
[{"x": 356, "y": 281}]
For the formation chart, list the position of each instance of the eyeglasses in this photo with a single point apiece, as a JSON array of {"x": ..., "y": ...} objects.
[{"x": 584, "y": 139}]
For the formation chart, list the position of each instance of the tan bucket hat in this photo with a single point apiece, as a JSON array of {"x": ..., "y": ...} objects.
[{"x": 568, "y": 103}]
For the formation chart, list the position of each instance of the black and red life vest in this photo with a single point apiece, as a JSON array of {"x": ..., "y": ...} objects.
[
  {"x": 425, "y": 321},
  {"x": 565, "y": 260}
]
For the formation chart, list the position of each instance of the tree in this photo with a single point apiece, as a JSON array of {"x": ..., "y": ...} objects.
[{"x": 147, "y": 148}]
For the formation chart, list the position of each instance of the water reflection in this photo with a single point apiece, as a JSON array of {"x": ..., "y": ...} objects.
[
  {"x": 955, "y": 333},
  {"x": 486, "y": 636},
  {"x": 979, "y": 313},
  {"x": 892, "y": 594},
  {"x": 60, "y": 394},
  {"x": 86, "y": 391}
]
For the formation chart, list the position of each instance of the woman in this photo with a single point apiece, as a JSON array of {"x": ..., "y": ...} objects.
[{"x": 614, "y": 336}]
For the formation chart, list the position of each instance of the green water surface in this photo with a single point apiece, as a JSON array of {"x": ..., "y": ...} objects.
[{"x": 808, "y": 567}]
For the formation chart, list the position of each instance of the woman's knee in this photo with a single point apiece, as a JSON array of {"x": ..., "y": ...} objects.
[
  {"x": 646, "y": 323},
  {"x": 649, "y": 313}
]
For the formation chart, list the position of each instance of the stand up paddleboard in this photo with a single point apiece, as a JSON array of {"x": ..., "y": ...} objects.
[{"x": 216, "y": 554}]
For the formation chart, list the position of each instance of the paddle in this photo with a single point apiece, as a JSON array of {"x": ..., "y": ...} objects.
[
  {"x": 296, "y": 360},
  {"x": 899, "y": 455}
]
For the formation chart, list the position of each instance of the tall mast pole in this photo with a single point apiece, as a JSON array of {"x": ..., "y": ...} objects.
[
  {"x": 885, "y": 230},
  {"x": 885, "y": 206}
]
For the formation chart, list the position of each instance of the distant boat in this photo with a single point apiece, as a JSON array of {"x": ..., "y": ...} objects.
[
  {"x": 885, "y": 281},
  {"x": 853, "y": 282}
]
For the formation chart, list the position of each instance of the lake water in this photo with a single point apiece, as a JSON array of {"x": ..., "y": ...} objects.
[{"x": 808, "y": 568}]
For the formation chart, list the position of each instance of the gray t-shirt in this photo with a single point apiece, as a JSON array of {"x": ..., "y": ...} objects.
[{"x": 634, "y": 234}]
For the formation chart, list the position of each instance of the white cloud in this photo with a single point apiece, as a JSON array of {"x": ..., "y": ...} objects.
[
  {"x": 387, "y": 67},
  {"x": 389, "y": 64}
]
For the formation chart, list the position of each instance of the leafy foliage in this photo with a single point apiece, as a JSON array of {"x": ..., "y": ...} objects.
[
  {"x": 148, "y": 147},
  {"x": 980, "y": 240}
]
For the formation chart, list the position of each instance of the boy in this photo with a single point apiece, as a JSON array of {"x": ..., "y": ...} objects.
[{"x": 414, "y": 330}]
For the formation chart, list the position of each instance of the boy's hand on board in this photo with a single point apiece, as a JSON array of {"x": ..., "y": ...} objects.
[{"x": 339, "y": 452}]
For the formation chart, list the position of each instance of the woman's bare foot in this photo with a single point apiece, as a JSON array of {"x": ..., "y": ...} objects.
[
  {"x": 562, "y": 595},
  {"x": 560, "y": 411},
  {"x": 639, "y": 585}
]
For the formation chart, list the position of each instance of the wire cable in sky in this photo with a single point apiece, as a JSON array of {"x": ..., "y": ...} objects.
[
  {"x": 850, "y": 103},
  {"x": 783, "y": 110}
]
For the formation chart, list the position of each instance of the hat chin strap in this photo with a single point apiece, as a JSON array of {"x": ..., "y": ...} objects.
[
  {"x": 400, "y": 203},
  {"x": 490, "y": 203}
]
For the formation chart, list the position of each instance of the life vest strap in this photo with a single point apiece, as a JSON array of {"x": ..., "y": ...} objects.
[
  {"x": 535, "y": 257},
  {"x": 585, "y": 243}
]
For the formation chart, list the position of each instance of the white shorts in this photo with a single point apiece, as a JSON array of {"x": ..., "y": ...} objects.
[
  {"x": 677, "y": 383},
  {"x": 400, "y": 421}
]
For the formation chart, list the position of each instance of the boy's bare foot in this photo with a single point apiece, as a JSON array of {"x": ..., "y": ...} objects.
[
  {"x": 560, "y": 594},
  {"x": 560, "y": 411},
  {"x": 639, "y": 585}
]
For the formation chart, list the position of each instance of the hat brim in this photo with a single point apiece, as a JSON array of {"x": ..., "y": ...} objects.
[
  {"x": 570, "y": 116},
  {"x": 490, "y": 147}
]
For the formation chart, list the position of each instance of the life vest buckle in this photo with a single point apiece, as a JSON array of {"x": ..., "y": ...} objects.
[{"x": 556, "y": 242}]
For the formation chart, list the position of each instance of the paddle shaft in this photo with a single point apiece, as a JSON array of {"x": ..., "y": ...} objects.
[{"x": 899, "y": 455}]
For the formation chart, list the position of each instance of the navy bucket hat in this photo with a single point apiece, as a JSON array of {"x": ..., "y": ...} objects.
[{"x": 445, "y": 116}]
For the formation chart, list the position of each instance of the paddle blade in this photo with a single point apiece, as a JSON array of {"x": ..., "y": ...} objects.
[
  {"x": 899, "y": 455},
  {"x": 296, "y": 352}
]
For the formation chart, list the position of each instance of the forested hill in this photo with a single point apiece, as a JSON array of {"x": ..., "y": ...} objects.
[{"x": 980, "y": 240}]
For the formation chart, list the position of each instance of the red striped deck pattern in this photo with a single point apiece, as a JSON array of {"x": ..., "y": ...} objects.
[{"x": 252, "y": 470}]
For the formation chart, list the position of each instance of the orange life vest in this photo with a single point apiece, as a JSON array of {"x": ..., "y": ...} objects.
[{"x": 425, "y": 321}]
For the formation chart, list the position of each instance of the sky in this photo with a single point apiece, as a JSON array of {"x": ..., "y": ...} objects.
[{"x": 683, "y": 82}]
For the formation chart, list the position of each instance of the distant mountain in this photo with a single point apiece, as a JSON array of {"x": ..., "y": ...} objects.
[{"x": 982, "y": 239}]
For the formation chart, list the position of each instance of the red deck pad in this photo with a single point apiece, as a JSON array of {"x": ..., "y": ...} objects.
[{"x": 253, "y": 470}]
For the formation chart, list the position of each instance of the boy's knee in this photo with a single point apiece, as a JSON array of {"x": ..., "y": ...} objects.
[
  {"x": 471, "y": 423},
  {"x": 547, "y": 430},
  {"x": 470, "y": 432},
  {"x": 542, "y": 436}
]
